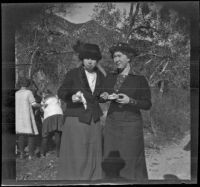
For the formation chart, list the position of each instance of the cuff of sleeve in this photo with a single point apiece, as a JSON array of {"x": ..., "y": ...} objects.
[{"x": 132, "y": 101}]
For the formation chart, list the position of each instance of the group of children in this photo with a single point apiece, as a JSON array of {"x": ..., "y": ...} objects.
[{"x": 48, "y": 117}]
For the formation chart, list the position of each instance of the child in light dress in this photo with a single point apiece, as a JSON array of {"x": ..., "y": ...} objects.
[
  {"x": 25, "y": 125},
  {"x": 52, "y": 122}
]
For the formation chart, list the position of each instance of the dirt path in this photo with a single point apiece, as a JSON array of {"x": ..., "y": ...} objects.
[
  {"x": 170, "y": 160},
  {"x": 167, "y": 160}
]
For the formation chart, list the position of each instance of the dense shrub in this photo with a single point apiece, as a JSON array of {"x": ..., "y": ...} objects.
[{"x": 169, "y": 116}]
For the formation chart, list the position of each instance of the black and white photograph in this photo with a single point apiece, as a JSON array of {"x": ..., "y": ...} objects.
[{"x": 100, "y": 93}]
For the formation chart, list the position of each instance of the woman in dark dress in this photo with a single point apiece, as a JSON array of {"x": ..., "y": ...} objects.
[
  {"x": 81, "y": 142},
  {"x": 123, "y": 131}
]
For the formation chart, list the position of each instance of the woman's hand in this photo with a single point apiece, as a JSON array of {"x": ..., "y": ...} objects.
[
  {"x": 104, "y": 95},
  {"x": 76, "y": 98},
  {"x": 123, "y": 98}
]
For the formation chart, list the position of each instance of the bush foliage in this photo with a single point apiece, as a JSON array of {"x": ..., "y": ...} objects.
[{"x": 161, "y": 35}]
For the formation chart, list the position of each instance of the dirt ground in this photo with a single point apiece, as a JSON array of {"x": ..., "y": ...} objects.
[
  {"x": 162, "y": 162},
  {"x": 169, "y": 161}
]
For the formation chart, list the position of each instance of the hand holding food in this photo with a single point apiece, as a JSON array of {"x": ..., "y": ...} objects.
[
  {"x": 78, "y": 97},
  {"x": 104, "y": 95},
  {"x": 123, "y": 98}
]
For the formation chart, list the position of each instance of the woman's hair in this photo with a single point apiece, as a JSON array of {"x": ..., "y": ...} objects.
[
  {"x": 48, "y": 96},
  {"x": 24, "y": 82},
  {"x": 129, "y": 55},
  {"x": 124, "y": 48}
]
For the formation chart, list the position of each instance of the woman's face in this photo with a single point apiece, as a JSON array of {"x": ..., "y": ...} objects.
[
  {"x": 89, "y": 64},
  {"x": 120, "y": 59}
]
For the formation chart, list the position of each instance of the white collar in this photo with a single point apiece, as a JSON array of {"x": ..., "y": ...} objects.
[{"x": 90, "y": 73}]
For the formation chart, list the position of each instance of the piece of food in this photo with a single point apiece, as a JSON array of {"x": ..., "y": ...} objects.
[
  {"x": 113, "y": 96},
  {"x": 83, "y": 100}
]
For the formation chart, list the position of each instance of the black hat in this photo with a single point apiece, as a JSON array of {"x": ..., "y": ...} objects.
[
  {"x": 122, "y": 47},
  {"x": 87, "y": 51}
]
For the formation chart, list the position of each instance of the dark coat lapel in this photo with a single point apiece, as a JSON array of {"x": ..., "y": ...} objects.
[{"x": 84, "y": 81}]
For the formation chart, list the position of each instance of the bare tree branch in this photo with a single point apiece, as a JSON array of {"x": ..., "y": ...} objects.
[
  {"x": 148, "y": 61},
  {"x": 152, "y": 54},
  {"x": 131, "y": 12},
  {"x": 31, "y": 62},
  {"x": 165, "y": 66},
  {"x": 151, "y": 76},
  {"x": 56, "y": 52},
  {"x": 133, "y": 15},
  {"x": 137, "y": 5},
  {"x": 34, "y": 43}
]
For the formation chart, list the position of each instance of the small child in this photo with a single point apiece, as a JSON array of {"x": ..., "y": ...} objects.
[
  {"x": 52, "y": 122},
  {"x": 25, "y": 125}
]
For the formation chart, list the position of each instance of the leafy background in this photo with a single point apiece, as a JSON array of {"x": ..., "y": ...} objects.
[{"x": 159, "y": 32}]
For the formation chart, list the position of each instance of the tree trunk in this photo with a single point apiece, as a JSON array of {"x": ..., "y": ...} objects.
[
  {"x": 134, "y": 9},
  {"x": 31, "y": 62}
]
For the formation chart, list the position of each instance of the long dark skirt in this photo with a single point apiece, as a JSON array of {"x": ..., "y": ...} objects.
[
  {"x": 80, "y": 151},
  {"x": 127, "y": 138}
]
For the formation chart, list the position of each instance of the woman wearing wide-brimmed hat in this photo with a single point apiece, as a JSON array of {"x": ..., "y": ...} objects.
[
  {"x": 128, "y": 93},
  {"x": 81, "y": 142}
]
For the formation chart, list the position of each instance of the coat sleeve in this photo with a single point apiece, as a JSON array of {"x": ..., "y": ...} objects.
[
  {"x": 108, "y": 84},
  {"x": 101, "y": 89},
  {"x": 143, "y": 100},
  {"x": 65, "y": 91}
]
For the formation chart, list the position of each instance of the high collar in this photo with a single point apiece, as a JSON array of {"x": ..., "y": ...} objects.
[
  {"x": 124, "y": 71},
  {"x": 90, "y": 73}
]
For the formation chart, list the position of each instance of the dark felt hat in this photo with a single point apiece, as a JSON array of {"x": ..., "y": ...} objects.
[
  {"x": 87, "y": 51},
  {"x": 123, "y": 47}
]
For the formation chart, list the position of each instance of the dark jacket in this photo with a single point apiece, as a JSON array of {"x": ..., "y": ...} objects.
[
  {"x": 75, "y": 81},
  {"x": 134, "y": 86}
]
